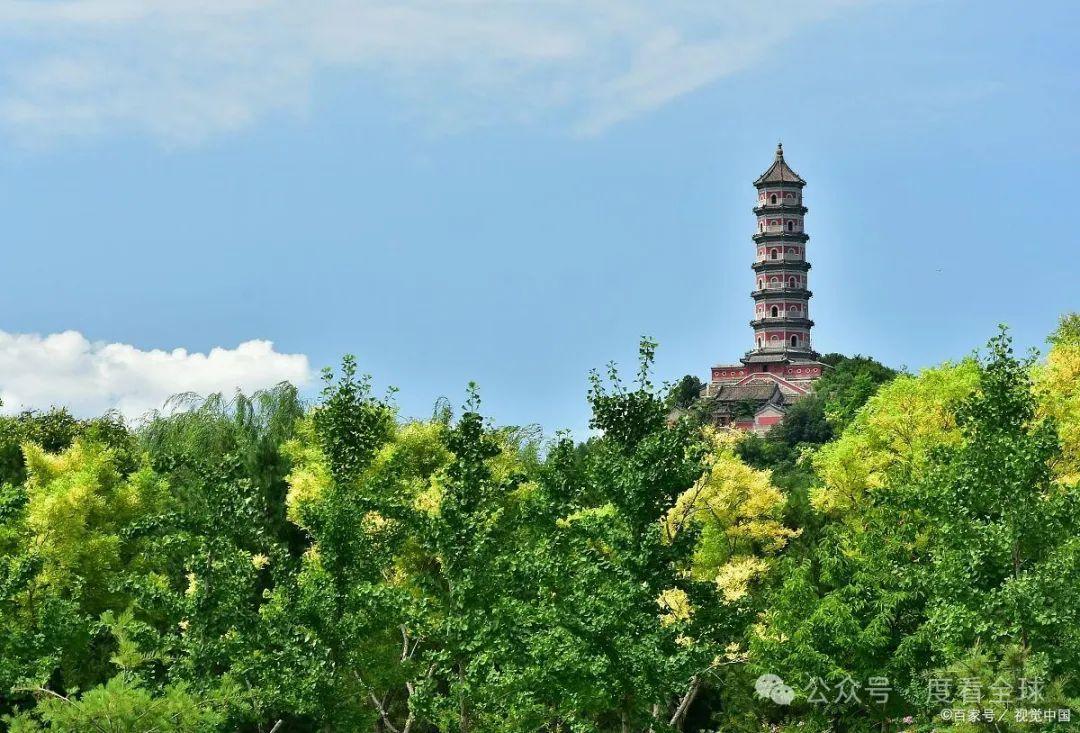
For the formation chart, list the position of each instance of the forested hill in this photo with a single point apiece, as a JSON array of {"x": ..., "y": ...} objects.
[{"x": 902, "y": 554}]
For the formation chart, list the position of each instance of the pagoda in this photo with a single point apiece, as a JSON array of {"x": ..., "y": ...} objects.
[{"x": 782, "y": 365}]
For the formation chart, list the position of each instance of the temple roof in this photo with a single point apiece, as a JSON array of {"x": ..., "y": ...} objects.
[
  {"x": 758, "y": 392},
  {"x": 790, "y": 399},
  {"x": 754, "y": 356},
  {"x": 780, "y": 171}
]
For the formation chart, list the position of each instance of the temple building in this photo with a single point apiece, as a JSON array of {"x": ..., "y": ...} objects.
[{"x": 782, "y": 365}]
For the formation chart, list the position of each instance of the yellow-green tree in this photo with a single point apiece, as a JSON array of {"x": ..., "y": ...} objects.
[
  {"x": 736, "y": 512},
  {"x": 1057, "y": 384},
  {"x": 74, "y": 547},
  {"x": 78, "y": 506},
  {"x": 893, "y": 435}
]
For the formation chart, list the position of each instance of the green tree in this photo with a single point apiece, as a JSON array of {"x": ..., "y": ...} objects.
[
  {"x": 1007, "y": 533},
  {"x": 639, "y": 658},
  {"x": 948, "y": 534},
  {"x": 121, "y": 705},
  {"x": 685, "y": 392},
  {"x": 412, "y": 600}
]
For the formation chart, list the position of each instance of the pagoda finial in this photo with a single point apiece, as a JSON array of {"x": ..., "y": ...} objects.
[{"x": 779, "y": 151}]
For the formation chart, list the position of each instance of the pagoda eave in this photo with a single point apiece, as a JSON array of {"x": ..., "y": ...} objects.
[
  {"x": 760, "y": 237},
  {"x": 770, "y": 265},
  {"x": 781, "y": 322},
  {"x": 781, "y": 293},
  {"x": 782, "y": 355},
  {"x": 780, "y": 209},
  {"x": 765, "y": 181}
]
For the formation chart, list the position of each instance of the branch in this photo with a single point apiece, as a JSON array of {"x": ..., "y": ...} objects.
[
  {"x": 382, "y": 713},
  {"x": 58, "y": 696},
  {"x": 411, "y": 718},
  {"x": 684, "y": 704}
]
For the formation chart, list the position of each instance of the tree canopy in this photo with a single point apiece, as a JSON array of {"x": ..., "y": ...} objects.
[{"x": 903, "y": 545}]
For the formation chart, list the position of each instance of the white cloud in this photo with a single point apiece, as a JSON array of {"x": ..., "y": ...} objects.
[
  {"x": 66, "y": 369},
  {"x": 182, "y": 70}
]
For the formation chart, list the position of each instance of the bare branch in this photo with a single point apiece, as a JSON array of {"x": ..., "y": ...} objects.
[
  {"x": 684, "y": 704},
  {"x": 382, "y": 713}
]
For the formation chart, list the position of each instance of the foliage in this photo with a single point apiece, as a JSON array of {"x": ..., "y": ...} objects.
[
  {"x": 848, "y": 384},
  {"x": 1057, "y": 384},
  {"x": 685, "y": 392},
  {"x": 898, "y": 430},
  {"x": 119, "y": 706},
  {"x": 737, "y": 512},
  {"x": 56, "y": 430},
  {"x": 949, "y": 536},
  {"x": 241, "y": 563},
  {"x": 69, "y": 546}
]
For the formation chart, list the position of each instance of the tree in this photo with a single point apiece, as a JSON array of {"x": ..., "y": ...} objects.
[
  {"x": 736, "y": 511},
  {"x": 54, "y": 431},
  {"x": 1007, "y": 533},
  {"x": 120, "y": 706},
  {"x": 948, "y": 535},
  {"x": 895, "y": 434},
  {"x": 71, "y": 540},
  {"x": 685, "y": 392},
  {"x": 1057, "y": 384},
  {"x": 620, "y": 664},
  {"x": 848, "y": 384},
  {"x": 255, "y": 563}
]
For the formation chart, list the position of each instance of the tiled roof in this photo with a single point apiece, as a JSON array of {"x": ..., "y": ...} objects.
[
  {"x": 779, "y": 171},
  {"x": 773, "y": 358},
  {"x": 793, "y": 356},
  {"x": 749, "y": 392}
]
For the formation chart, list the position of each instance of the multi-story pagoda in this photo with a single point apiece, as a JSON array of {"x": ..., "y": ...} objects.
[{"x": 782, "y": 365}]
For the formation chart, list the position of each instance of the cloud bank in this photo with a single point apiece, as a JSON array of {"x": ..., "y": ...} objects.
[
  {"x": 66, "y": 369},
  {"x": 184, "y": 70}
]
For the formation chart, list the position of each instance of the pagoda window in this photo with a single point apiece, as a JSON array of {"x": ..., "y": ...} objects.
[
  {"x": 774, "y": 312},
  {"x": 791, "y": 282},
  {"x": 772, "y": 254},
  {"x": 772, "y": 199},
  {"x": 794, "y": 340},
  {"x": 790, "y": 226}
]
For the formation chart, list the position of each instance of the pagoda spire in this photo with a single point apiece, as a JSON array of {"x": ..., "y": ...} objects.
[{"x": 780, "y": 171}]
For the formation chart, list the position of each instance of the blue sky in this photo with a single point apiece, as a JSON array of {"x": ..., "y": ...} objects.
[{"x": 513, "y": 193}]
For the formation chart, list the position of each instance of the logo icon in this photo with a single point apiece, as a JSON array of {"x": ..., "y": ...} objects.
[{"x": 772, "y": 687}]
